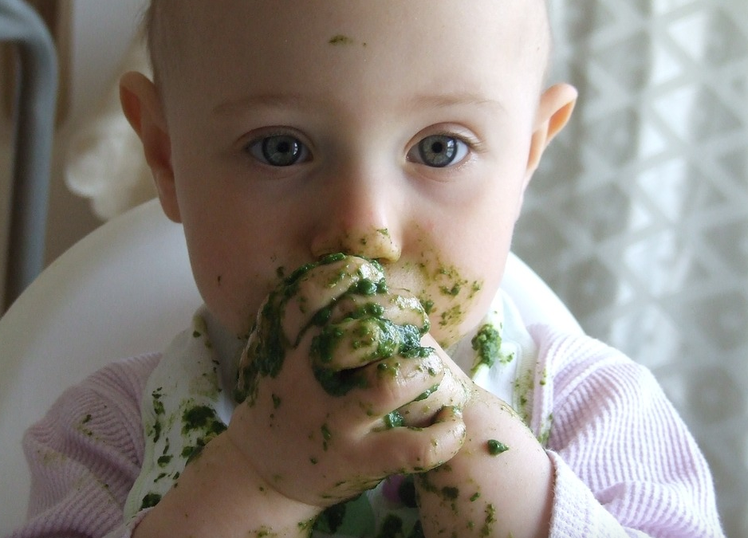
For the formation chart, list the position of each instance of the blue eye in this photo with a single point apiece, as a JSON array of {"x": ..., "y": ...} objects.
[
  {"x": 278, "y": 150},
  {"x": 439, "y": 151}
]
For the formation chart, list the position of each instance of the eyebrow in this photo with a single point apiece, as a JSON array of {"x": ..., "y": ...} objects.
[
  {"x": 301, "y": 102},
  {"x": 267, "y": 100},
  {"x": 452, "y": 99}
]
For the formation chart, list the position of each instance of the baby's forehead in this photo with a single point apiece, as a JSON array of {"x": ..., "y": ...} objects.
[{"x": 173, "y": 26}]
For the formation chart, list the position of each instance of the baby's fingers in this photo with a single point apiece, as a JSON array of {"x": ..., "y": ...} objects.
[
  {"x": 353, "y": 343},
  {"x": 384, "y": 384},
  {"x": 397, "y": 306},
  {"x": 414, "y": 450},
  {"x": 450, "y": 392},
  {"x": 312, "y": 294}
]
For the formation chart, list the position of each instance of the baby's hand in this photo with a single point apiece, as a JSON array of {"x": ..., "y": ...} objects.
[
  {"x": 333, "y": 356},
  {"x": 499, "y": 484}
]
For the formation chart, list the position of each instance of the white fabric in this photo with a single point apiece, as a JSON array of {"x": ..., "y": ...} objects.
[{"x": 186, "y": 378}]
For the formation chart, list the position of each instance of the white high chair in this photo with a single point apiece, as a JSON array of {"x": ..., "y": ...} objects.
[{"x": 124, "y": 290}]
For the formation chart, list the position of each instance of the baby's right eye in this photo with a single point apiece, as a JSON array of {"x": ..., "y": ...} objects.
[{"x": 278, "y": 150}]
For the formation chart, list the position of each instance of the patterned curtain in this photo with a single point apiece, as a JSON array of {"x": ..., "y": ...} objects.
[{"x": 638, "y": 217}]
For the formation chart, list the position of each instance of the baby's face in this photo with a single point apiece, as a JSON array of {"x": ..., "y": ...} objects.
[{"x": 396, "y": 131}]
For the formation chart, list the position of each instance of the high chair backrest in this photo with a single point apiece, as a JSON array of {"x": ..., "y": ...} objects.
[
  {"x": 124, "y": 290},
  {"x": 34, "y": 120}
]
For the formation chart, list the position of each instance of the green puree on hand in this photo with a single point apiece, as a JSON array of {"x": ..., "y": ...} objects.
[
  {"x": 270, "y": 342},
  {"x": 495, "y": 447}
]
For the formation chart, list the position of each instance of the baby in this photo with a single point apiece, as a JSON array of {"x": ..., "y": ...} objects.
[{"x": 348, "y": 174}]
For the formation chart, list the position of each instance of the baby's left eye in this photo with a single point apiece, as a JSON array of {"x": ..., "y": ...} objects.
[{"x": 439, "y": 151}]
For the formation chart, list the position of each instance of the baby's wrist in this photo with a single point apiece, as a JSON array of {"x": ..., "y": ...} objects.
[
  {"x": 266, "y": 499},
  {"x": 219, "y": 495}
]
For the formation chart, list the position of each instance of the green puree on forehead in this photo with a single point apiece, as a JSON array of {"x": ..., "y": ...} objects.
[{"x": 372, "y": 330}]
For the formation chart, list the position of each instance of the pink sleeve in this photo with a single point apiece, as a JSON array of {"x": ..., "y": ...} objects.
[
  {"x": 85, "y": 454},
  {"x": 626, "y": 464}
]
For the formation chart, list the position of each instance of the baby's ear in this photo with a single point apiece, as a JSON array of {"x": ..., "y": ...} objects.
[
  {"x": 555, "y": 108},
  {"x": 142, "y": 107}
]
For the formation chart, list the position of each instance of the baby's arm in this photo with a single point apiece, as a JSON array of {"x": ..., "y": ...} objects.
[
  {"x": 219, "y": 495},
  {"x": 84, "y": 454},
  {"x": 499, "y": 484},
  {"x": 319, "y": 381},
  {"x": 623, "y": 462}
]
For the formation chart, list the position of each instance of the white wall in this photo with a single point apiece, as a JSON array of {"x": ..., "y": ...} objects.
[{"x": 101, "y": 31}]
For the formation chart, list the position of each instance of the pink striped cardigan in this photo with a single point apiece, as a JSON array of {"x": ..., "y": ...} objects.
[{"x": 618, "y": 447}]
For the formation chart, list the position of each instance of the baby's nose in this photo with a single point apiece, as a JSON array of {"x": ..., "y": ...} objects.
[
  {"x": 360, "y": 221},
  {"x": 362, "y": 212}
]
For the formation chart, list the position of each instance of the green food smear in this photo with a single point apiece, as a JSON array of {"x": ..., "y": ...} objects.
[
  {"x": 450, "y": 493},
  {"x": 150, "y": 500},
  {"x": 489, "y": 521},
  {"x": 427, "y": 393},
  {"x": 394, "y": 420},
  {"x": 331, "y": 519},
  {"x": 392, "y": 526},
  {"x": 428, "y": 305},
  {"x": 495, "y": 447},
  {"x": 340, "y": 39},
  {"x": 487, "y": 344},
  {"x": 270, "y": 344},
  {"x": 203, "y": 418}
]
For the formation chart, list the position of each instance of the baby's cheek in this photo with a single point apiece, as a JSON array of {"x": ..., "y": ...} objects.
[
  {"x": 453, "y": 302},
  {"x": 233, "y": 301},
  {"x": 451, "y": 319}
]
